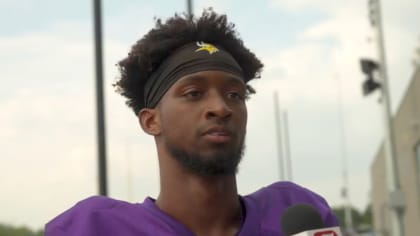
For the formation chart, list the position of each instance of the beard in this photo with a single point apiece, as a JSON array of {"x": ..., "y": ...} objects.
[{"x": 218, "y": 164}]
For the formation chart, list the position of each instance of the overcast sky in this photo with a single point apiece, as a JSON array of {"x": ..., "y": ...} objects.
[{"x": 311, "y": 51}]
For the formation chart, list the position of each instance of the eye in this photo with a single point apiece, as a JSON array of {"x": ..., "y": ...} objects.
[
  {"x": 236, "y": 95},
  {"x": 193, "y": 94}
]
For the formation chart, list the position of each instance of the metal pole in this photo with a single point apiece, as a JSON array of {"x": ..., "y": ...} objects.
[
  {"x": 100, "y": 108},
  {"x": 190, "y": 8},
  {"x": 287, "y": 147},
  {"x": 396, "y": 198},
  {"x": 278, "y": 133},
  {"x": 348, "y": 218}
]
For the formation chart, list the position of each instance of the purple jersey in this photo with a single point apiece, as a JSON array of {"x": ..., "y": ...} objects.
[{"x": 102, "y": 216}]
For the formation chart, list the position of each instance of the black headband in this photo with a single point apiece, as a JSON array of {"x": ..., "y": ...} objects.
[{"x": 191, "y": 58}]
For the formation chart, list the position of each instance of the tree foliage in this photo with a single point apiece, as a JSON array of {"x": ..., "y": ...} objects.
[
  {"x": 361, "y": 220},
  {"x": 9, "y": 230}
]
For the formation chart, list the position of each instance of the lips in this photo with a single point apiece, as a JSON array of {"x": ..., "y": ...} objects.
[
  {"x": 218, "y": 130},
  {"x": 218, "y": 134}
]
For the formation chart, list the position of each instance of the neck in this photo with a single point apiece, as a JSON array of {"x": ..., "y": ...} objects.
[{"x": 205, "y": 205}]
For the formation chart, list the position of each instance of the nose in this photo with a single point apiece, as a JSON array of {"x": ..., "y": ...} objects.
[{"x": 217, "y": 108}]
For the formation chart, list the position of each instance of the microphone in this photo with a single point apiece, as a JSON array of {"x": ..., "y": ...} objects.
[{"x": 304, "y": 220}]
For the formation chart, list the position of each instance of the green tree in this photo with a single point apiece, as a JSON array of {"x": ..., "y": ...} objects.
[
  {"x": 361, "y": 220},
  {"x": 366, "y": 219},
  {"x": 9, "y": 230}
]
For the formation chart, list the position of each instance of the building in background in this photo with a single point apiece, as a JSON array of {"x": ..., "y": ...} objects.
[{"x": 406, "y": 124}]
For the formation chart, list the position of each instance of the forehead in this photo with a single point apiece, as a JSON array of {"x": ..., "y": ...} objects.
[{"x": 210, "y": 77}]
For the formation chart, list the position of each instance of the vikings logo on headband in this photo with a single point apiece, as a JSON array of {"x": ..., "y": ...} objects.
[
  {"x": 186, "y": 60},
  {"x": 206, "y": 47}
]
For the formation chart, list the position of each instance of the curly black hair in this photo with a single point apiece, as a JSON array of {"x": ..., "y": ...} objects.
[{"x": 150, "y": 51}]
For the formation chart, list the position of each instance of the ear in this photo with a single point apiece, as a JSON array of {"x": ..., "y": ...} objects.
[{"x": 149, "y": 122}]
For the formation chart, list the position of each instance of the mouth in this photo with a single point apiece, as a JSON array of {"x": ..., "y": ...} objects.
[{"x": 218, "y": 135}]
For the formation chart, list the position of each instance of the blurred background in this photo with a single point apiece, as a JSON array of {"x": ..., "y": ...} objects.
[{"x": 317, "y": 119}]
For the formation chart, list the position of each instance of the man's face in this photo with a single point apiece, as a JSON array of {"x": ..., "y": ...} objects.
[{"x": 203, "y": 122}]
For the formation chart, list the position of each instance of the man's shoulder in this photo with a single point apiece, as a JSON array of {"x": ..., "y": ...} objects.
[
  {"x": 271, "y": 201},
  {"x": 108, "y": 217},
  {"x": 286, "y": 191},
  {"x": 86, "y": 206},
  {"x": 85, "y": 216},
  {"x": 94, "y": 203},
  {"x": 81, "y": 211}
]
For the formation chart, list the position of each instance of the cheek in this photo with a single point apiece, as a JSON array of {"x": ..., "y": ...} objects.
[
  {"x": 243, "y": 117},
  {"x": 177, "y": 124}
]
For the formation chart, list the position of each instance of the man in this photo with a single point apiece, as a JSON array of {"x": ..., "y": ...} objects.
[{"x": 186, "y": 80}]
